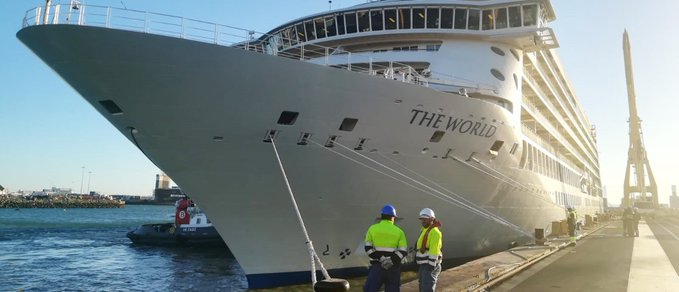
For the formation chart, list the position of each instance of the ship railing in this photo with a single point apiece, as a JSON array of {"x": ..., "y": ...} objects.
[
  {"x": 533, "y": 136},
  {"x": 197, "y": 30}
]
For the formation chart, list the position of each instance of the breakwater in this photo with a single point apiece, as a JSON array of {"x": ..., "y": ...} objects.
[{"x": 66, "y": 201}]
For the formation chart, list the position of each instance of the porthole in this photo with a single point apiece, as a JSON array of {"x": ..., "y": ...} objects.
[
  {"x": 497, "y": 74},
  {"x": 497, "y": 51}
]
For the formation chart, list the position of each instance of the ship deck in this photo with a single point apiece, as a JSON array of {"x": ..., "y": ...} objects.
[{"x": 602, "y": 260}]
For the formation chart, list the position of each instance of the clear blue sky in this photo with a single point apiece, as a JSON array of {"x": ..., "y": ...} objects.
[{"x": 48, "y": 132}]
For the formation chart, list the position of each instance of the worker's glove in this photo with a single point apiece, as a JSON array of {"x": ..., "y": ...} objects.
[{"x": 386, "y": 262}]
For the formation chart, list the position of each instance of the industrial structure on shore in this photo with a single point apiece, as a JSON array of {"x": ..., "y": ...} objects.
[{"x": 640, "y": 188}]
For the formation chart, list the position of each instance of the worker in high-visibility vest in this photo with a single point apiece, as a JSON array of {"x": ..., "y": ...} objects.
[
  {"x": 429, "y": 256},
  {"x": 386, "y": 245},
  {"x": 572, "y": 224}
]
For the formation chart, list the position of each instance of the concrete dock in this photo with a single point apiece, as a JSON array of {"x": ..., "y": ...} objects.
[{"x": 602, "y": 260}]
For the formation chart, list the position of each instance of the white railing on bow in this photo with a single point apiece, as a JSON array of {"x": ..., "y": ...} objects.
[{"x": 191, "y": 29}]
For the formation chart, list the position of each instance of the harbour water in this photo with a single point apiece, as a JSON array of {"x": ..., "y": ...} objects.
[{"x": 87, "y": 250}]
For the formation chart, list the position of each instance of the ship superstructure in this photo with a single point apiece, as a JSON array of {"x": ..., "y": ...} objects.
[{"x": 461, "y": 106}]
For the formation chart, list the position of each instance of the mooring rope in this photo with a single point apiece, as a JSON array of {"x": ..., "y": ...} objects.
[
  {"x": 516, "y": 184},
  {"x": 310, "y": 246},
  {"x": 463, "y": 203}
]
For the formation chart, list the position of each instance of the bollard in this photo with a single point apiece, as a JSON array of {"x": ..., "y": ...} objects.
[
  {"x": 556, "y": 228},
  {"x": 539, "y": 236},
  {"x": 588, "y": 221},
  {"x": 564, "y": 227},
  {"x": 332, "y": 285}
]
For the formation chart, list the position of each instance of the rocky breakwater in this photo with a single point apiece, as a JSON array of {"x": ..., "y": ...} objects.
[{"x": 60, "y": 201}]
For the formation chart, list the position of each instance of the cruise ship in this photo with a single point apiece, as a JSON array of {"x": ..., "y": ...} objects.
[{"x": 462, "y": 106}]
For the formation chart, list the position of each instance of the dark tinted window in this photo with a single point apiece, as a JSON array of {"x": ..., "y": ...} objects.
[
  {"x": 446, "y": 18},
  {"x": 300, "y": 32},
  {"x": 390, "y": 19},
  {"x": 418, "y": 17},
  {"x": 320, "y": 27},
  {"x": 376, "y": 20},
  {"x": 530, "y": 15},
  {"x": 363, "y": 21},
  {"x": 432, "y": 18},
  {"x": 404, "y": 18},
  {"x": 474, "y": 19},
  {"x": 501, "y": 18},
  {"x": 331, "y": 28},
  {"x": 515, "y": 16},
  {"x": 460, "y": 18},
  {"x": 487, "y": 20},
  {"x": 351, "y": 22},
  {"x": 310, "y": 33},
  {"x": 340, "y": 24}
]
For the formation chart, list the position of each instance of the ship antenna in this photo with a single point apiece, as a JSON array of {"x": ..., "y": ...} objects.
[{"x": 329, "y": 4}]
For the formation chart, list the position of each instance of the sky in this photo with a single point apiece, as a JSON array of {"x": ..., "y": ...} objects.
[{"x": 51, "y": 137}]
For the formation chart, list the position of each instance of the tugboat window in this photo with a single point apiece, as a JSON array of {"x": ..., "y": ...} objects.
[
  {"x": 390, "y": 19},
  {"x": 488, "y": 20},
  {"x": 340, "y": 24},
  {"x": 501, "y": 18},
  {"x": 514, "y": 16},
  {"x": 404, "y": 18},
  {"x": 460, "y": 18},
  {"x": 418, "y": 17},
  {"x": 376, "y": 20},
  {"x": 474, "y": 19},
  {"x": 351, "y": 22},
  {"x": 530, "y": 15},
  {"x": 447, "y": 18},
  {"x": 432, "y": 18},
  {"x": 363, "y": 21}
]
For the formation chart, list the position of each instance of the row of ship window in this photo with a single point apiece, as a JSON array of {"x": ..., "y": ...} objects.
[
  {"x": 406, "y": 18},
  {"x": 539, "y": 162}
]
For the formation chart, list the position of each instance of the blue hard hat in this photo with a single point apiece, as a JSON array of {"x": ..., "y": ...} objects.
[{"x": 389, "y": 210}]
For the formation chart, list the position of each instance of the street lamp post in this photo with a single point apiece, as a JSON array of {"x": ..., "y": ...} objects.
[
  {"x": 89, "y": 177},
  {"x": 82, "y": 178}
]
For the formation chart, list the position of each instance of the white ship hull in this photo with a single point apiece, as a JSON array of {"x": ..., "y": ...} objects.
[{"x": 201, "y": 111}]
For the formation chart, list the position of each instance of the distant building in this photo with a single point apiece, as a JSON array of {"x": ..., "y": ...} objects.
[
  {"x": 2, "y": 190},
  {"x": 163, "y": 193},
  {"x": 53, "y": 191},
  {"x": 674, "y": 200}
]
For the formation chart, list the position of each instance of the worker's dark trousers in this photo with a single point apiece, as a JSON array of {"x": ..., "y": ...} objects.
[{"x": 377, "y": 276}]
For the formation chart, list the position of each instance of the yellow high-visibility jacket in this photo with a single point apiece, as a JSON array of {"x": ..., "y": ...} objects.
[
  {"x": 386, "y": 239},
  {"x": 432, "y": 254}
]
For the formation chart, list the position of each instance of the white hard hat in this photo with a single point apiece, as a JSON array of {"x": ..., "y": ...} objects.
[{"x": 427, "y": 213}]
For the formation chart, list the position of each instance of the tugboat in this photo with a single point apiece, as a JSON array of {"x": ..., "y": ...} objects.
[{"x": 191, "y": 228}]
